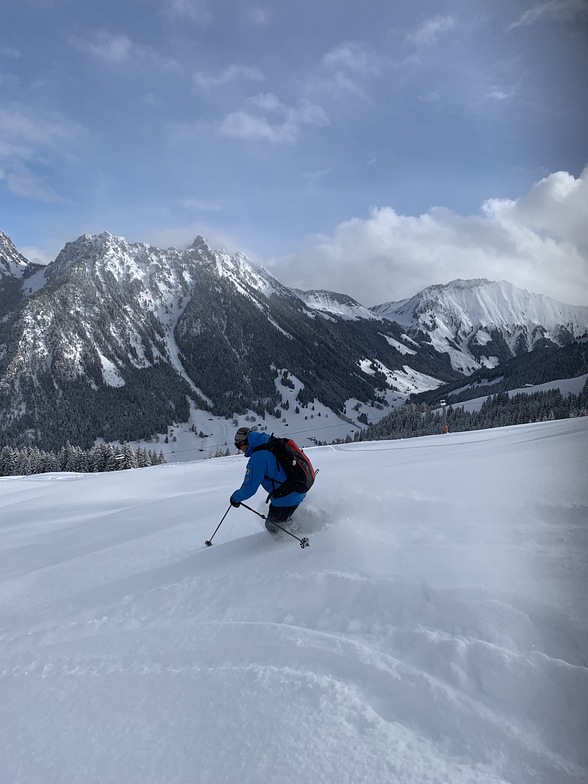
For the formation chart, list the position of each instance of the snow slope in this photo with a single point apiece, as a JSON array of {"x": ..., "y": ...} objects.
[
  {"x": 330, "y": 302},
  {"x": 435, "y": 630},
  {"x": 472, "y": 304}
]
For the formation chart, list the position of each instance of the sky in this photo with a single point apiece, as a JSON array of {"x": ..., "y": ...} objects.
[
  {"x": 369, "y": 148},
  {"x": 435, "y": 630}
]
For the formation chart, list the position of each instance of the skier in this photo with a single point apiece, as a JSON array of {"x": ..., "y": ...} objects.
[{"x": 264, "y": 469}]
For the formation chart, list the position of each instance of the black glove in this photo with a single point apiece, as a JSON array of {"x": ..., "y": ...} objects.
[{"x": 234, "y": 503}]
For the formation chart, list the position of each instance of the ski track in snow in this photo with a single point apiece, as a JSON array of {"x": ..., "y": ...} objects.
[{"x": 434, "y": 631}]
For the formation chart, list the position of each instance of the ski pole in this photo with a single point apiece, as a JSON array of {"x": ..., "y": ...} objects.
[
  {"x": 303, "y": 542},
  {"x": 208, "y": 542}
]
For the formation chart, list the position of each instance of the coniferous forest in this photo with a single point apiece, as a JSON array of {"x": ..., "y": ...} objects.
[
  {"x": 500, "y": 410},
  {"x": 409, "y": 421},
  {"x": 103, "y": 457}
]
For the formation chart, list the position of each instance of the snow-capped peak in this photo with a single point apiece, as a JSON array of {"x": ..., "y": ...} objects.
[
  {"x": 483, "y": 303},
  {"x": 464, "y": 315},
  {"x": 12, "y": 263},
  {"x": 200, "y": 244},
  {"x": 248, "y": 276}
]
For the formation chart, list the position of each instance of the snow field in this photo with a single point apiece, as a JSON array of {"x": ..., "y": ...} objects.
[{"x": 434, "y": 631}]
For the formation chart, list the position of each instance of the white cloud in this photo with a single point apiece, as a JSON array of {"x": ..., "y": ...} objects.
[
  {"x": 538, "y": 242},
  {"x": 26, "y": 137},
  {"x": 118, "y": 48},
  {"x": 196, "y": 11},
  {"x": 433, "y": 97},
  {"x": 345, "y": 69},
  {"x": 228, "y": 74},
  {"x": 184, "y": 236},
  {"x": 335, "y": 84},
  {"x": 22, "y": 182},
  {"x": 556, "y": 9},
  {"x": 268, "y": 102},
  {"x": 110, "y": 47},
  {"x": 555, "y": 208},
  {"x": 257, "y": 16},
  {"x": 28, "y": 129},
  {"x": 271, "y": 120},
  {"x": 350, "y": 57},
  {"x": 498, "y": 94},
  {"x": 429, "y": 32},
  {"x": 8, "y": 51},
  {"x": 313, "y": 177},
  {"x": 199, "y": 205},
  {"x": 242, "y": 125},
  {"x": 507, "y": 84},
  {"x": 37, "y": 255}
]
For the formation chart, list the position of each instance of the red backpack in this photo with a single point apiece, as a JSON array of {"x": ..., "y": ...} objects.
[{"x": 299, "y": 471}]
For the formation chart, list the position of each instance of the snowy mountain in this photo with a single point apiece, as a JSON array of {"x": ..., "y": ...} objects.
[
  {"x": 126, "y": 342},
  {"x": 435, "y": 630},
  {"x": 480, "y": 323},
  {"x": 119, "y": 341},
  {"x": 12, "y": 263},
  {"x": 13, "y": 268},
  {"x": 329, "y": 303}
]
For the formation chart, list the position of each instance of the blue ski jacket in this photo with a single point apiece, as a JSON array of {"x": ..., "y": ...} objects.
[{"x": 263, "y": 469}]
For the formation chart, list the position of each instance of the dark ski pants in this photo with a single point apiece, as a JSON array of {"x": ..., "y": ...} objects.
[{"x": 279, "y": 514}]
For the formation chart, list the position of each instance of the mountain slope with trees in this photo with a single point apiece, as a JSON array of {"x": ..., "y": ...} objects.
[{"x": 117, "y": 341}]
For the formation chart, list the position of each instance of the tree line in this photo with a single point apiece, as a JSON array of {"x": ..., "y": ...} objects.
[
  {"x": 537, "y": 367},
  {"x": 102, "y": 457},
  {"x": 500, "y": 410}
]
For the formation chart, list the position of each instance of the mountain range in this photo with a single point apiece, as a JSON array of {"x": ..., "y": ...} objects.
[{"x": 119, "y": 341}]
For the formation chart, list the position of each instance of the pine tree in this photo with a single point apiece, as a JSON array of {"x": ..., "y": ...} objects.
[{"x": 129, "y": 459}]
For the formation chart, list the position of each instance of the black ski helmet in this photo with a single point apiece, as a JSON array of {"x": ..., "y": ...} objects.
[{"x": 242, "y": 436}]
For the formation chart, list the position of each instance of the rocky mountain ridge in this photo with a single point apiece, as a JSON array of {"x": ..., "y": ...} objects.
[
  {"x": 118, "y": 341},
  {"x": 481, "y": 323},
  {"x": 12, "y": 263}
]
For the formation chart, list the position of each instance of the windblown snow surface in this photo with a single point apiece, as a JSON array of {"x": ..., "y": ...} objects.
[{"x": 434, "y": 631}]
